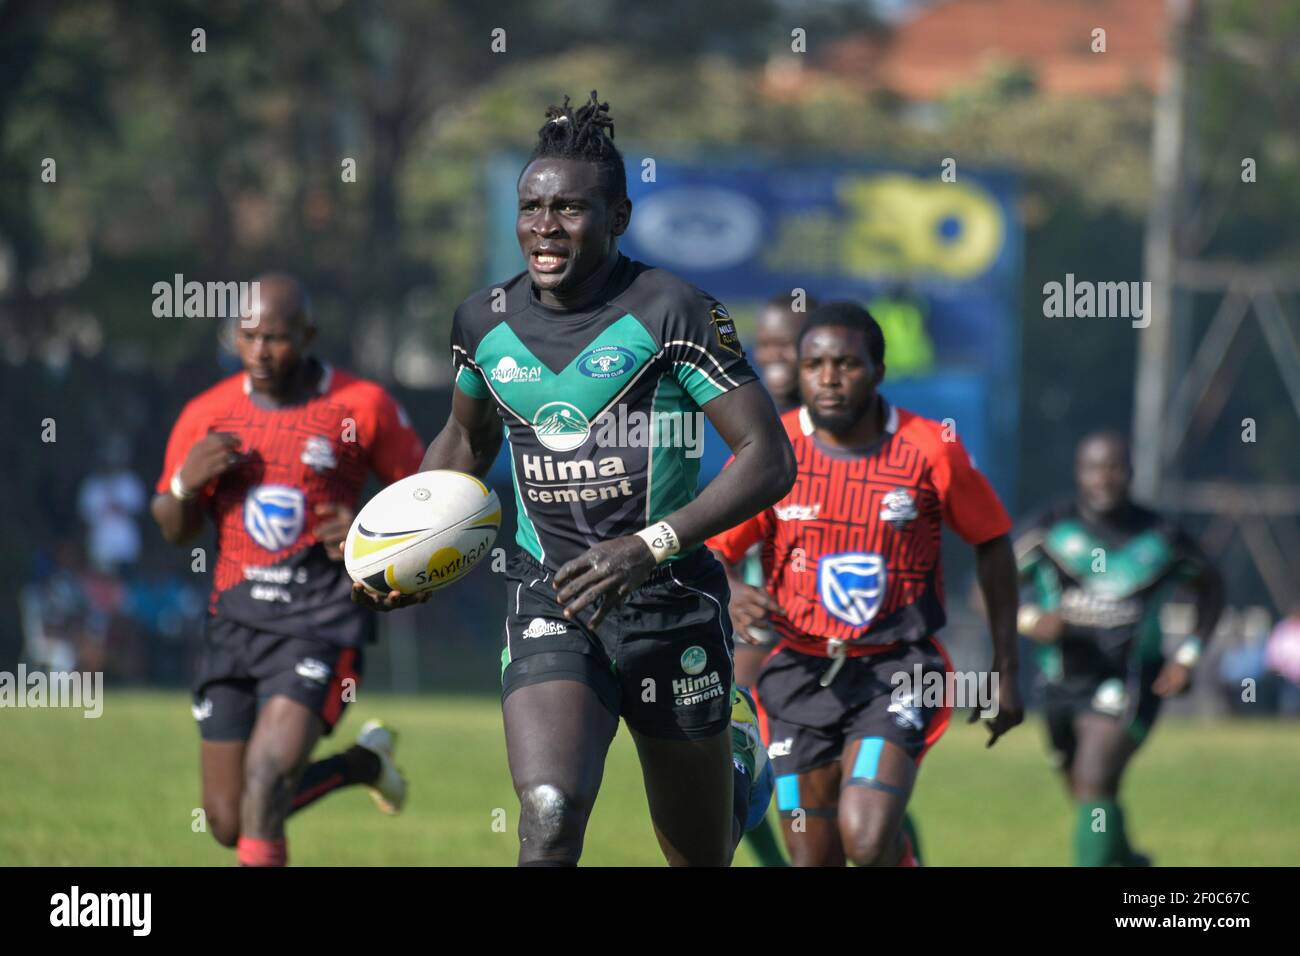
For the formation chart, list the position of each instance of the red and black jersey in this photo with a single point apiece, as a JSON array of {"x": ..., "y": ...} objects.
[
  {"x": 271, "y": 572},
  {"x": 852, "y": 553}
]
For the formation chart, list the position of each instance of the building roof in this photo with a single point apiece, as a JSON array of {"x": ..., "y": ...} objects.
[{"x": 953, "y": 43}]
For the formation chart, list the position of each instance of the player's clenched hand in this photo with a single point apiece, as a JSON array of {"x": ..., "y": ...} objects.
[
  {"x": 750, "y": 606},
  {"x": 1173, "y": 679},
  {"x": 1010, "y": 709},
  {"x": 334, "y": 522},
  {"x": 385, "y": 602},
  {"x": 210, "y": 456},
  {"x": 609, "y": 571}
]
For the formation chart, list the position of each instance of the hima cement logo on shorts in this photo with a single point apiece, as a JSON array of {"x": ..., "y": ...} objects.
[{"x": 694, "y": 660}]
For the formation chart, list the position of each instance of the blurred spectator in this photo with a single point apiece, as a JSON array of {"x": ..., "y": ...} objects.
[
  {"x": 167, "y": 608},
  {"x": 53, "y": 610},
  {"x": 1282, "y": 657},
  {"x": 1242, "y": 636},
  {"x": 109, "y": 501}
]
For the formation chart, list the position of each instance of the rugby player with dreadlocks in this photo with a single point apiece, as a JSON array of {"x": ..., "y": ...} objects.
[{"x": 614, "y": 606}]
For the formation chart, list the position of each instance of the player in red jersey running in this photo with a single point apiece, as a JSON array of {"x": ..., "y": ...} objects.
[
  {"x": 276, "y": 456},
  {"x": 854, "y": 592}
]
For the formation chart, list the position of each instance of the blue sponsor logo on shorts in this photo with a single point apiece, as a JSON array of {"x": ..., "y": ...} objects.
[
  {"x": 852, "y": 586},
  {"x": 273, "y": 515}
]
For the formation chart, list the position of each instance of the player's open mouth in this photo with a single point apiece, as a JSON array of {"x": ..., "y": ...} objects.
[{"x": 550, "y": 261}]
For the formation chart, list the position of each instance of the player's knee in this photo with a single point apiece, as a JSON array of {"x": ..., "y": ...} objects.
[
  {"x": 1093, "y": 783},
  {"x": 223, "y": 823},
  {"x": 550, "y": 823},
  {"x": 871, "y": 843},
  {"x": 267, "y": 780}
]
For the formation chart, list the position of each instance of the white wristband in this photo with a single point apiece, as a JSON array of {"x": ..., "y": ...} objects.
[
  {"x": 1189, "y": 652},
  {"x": 662, "y": 540},
  {"x": 1027, "y": 618},
  {"x": 178, "y": 489}
]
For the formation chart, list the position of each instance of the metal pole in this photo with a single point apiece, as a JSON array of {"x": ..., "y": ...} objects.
[{"x": 1155, "y": 342}]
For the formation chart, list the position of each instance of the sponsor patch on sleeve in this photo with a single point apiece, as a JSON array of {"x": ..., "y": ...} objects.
[{"x": 724, "y": 326}]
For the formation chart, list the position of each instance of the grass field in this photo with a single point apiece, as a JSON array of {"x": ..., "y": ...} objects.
[{"x": 121, "y": 791}]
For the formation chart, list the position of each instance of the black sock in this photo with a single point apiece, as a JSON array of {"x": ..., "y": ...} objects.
[{"x": 354, "y": 765}]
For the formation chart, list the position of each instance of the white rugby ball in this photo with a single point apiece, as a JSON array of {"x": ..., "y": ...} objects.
[{"x": 422, "y": 533}]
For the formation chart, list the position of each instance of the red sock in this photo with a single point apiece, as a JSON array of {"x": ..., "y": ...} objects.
[
  {"x": 253, "y": 852},
  {"x": 908, "y": 858}
]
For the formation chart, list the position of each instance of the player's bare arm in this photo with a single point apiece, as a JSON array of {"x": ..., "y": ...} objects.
[
  {"x": 468, "y": 443},
  {"x": 470, "y": 440},
  {"x": 761, "y": 474},
  {"x": 1176, "y": 675},
  {"x": 179, "y": 513},
  {"x": 995, "y": 565}
]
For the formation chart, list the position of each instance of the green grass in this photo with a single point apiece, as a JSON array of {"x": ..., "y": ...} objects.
[{"x": 121, "y": 790}]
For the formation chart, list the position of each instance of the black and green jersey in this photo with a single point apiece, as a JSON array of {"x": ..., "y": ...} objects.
[
  {"x": 601, "y": 405},
  {"x": 1108, "y": 580}
]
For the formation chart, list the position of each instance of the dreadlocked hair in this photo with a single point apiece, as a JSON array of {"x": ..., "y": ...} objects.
[{"x": 585, "y": 133}]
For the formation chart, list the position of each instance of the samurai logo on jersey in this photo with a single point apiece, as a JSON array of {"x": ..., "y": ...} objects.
[
  {"x": 852, "y": 586},
  {"x": 508, "y": 370},
  {"x": 273, "y": 515}
]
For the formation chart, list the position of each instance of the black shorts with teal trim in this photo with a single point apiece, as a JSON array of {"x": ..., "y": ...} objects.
[
  {"x": 1122, "y": 694},
  {"x": 662, "y": 660}
]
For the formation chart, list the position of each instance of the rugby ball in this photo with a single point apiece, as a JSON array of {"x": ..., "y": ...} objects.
[{"x": 422, "y": 533}]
